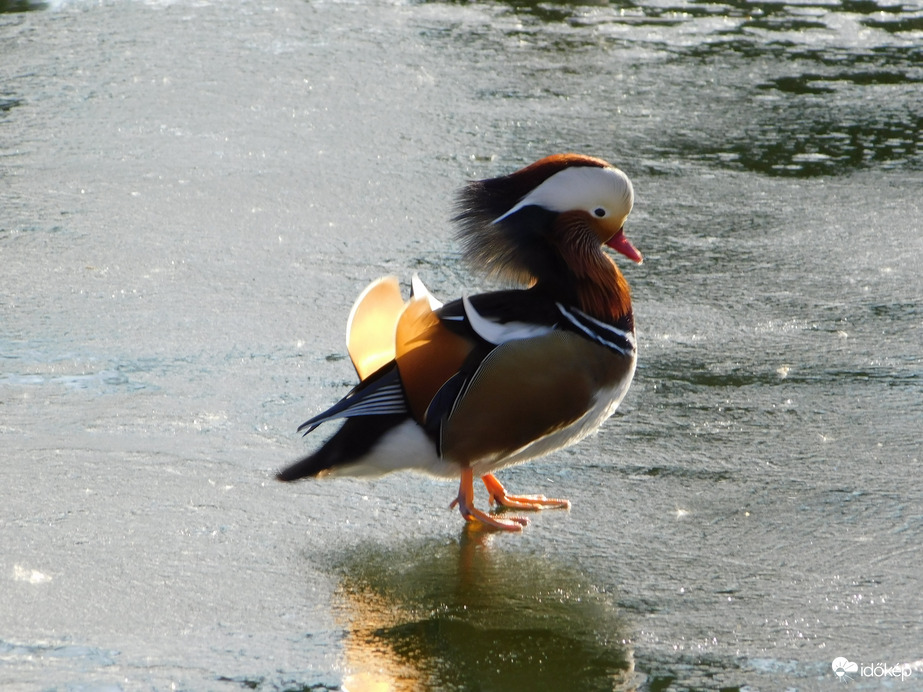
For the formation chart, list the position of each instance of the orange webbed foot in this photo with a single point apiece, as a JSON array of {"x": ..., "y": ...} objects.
[
  {"x": 499, "y": 496},
  {"x": 465, "y": 504}
]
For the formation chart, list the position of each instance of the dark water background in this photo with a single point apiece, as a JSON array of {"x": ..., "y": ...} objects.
[{"x": 192, "y": 194}]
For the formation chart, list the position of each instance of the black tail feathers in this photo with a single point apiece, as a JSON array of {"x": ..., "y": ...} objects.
[{"x": 357, "y": 437}]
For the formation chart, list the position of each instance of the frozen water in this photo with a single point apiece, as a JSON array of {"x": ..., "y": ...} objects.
[{"x": 192, "y": 194}]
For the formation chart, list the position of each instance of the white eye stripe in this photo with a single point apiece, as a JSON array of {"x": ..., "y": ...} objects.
[{"x": 580, "y": 187}]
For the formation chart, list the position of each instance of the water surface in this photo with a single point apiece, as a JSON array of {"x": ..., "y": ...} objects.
[{"x": 192, "y": 194}]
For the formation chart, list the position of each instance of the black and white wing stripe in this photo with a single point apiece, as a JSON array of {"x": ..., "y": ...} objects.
[
  {"x": 377, "y": 396},
  {"x": 609, "y": 335}
]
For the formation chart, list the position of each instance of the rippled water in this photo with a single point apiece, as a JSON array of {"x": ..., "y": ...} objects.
[{"x": 192, "y": 194}]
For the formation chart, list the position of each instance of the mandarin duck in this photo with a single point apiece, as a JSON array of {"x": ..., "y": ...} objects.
[{"x": 495, "y": 379}]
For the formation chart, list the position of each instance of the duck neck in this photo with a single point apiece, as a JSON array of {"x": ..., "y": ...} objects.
[{"x": 597, "y": 286}]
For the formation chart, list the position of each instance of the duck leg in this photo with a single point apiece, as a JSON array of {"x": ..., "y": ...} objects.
[
  {"x": 499, "y": 496},
  {"x": 465, "y": 502}
]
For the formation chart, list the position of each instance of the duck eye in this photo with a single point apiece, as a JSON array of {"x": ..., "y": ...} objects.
[{"x": 599, "y": 212}]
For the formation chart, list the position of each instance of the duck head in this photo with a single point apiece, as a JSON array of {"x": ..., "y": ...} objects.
[{"x": 547, "y": 224}]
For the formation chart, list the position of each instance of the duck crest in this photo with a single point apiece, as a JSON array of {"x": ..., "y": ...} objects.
[{"x": 481, "y": 202}]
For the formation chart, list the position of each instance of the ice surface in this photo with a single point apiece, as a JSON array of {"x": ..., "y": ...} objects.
[{"x": 192, "y": 194}]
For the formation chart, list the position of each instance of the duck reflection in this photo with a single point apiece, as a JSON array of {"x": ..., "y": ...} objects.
[{"x": 462, "y": 615}]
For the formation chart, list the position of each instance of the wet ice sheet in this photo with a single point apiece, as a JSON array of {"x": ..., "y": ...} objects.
[{"x": 192, "y": 195}]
